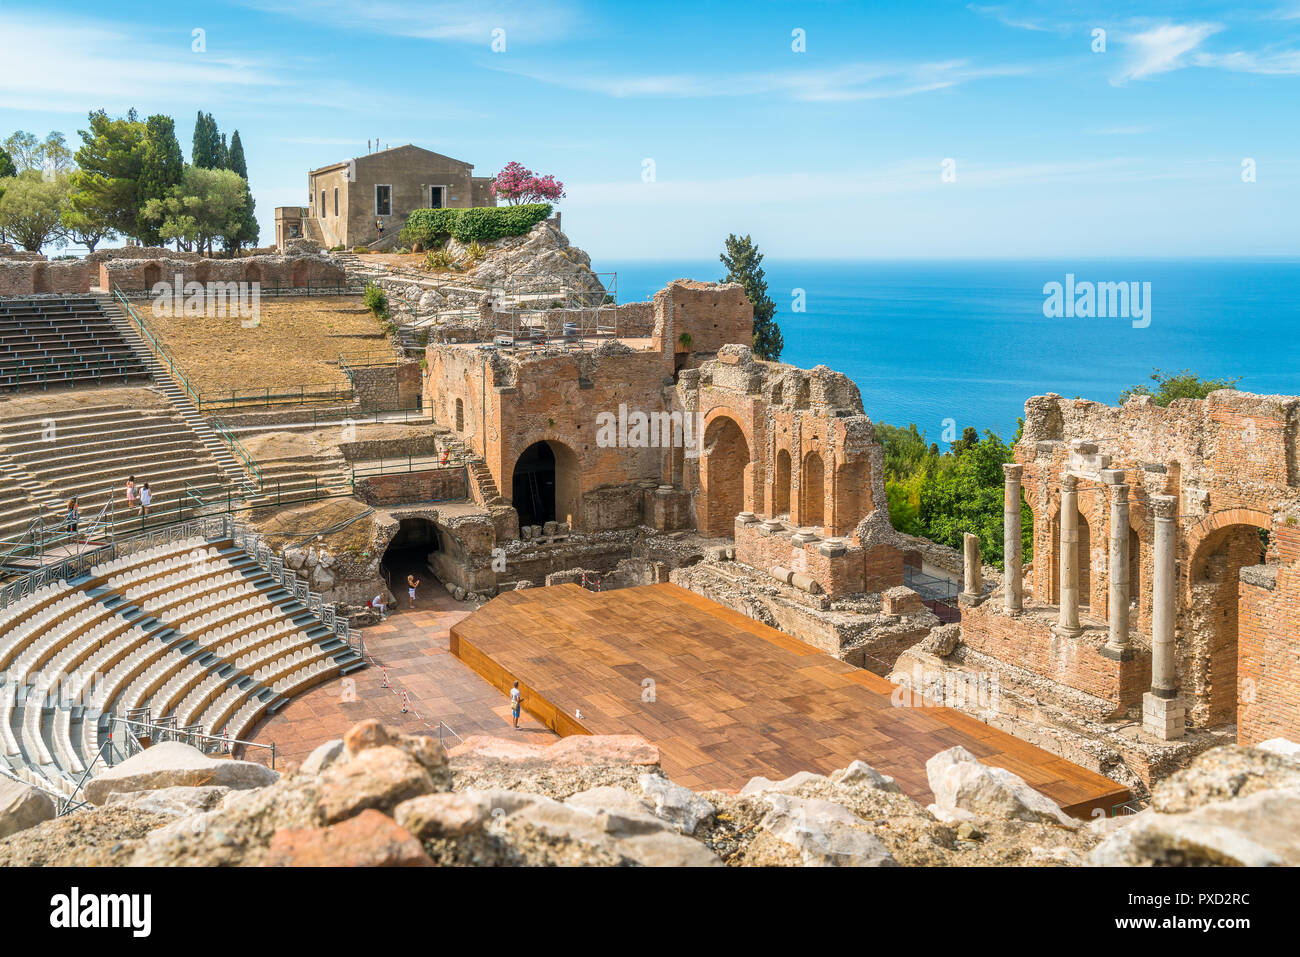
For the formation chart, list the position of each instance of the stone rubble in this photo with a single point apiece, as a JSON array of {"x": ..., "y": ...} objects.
[{"x": 380, "y": 797}]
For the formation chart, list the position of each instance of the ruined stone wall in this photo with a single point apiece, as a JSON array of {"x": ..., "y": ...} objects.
[
  {"x": 839, "y": 568},
  {"x": 387, "y": 387},
  {"x": 273, "y": 272},
  {"x": 712, "y": 314},
  {"x": 1230, "y": 462}
]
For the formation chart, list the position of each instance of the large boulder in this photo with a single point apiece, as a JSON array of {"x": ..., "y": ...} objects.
[
  {"x": 173, "y": 764},
  {"x": 1261, "y": 829},
  {"x": 23, "y": 806},
  {"x": 371, "y": 839},
  {"x": 966, "y": 790},
  {"x": 823, "y": 834},
  {"x": 174, "y": 802},
  {"x": 681, "y": 807},
  {"x": 1222, "y": 773}
]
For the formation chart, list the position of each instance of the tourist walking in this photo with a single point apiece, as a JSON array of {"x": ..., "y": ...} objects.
[
  {"x": 74, "y": 515},
  {"x": 146, "y": 499},
  {"x": 516, "y": 702},
  {"x": 379, "y": 225},
  {"x": 412, "y": 583},
  {"x": 130, "y": 491}
]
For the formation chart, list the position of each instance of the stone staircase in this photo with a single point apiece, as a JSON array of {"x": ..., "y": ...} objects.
[{"x": 230, "y": 466}]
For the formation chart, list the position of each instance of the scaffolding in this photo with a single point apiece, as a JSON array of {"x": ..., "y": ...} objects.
[{"x": 533, "y": 315}]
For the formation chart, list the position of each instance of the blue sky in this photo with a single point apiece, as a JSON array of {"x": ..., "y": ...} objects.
[{"x": 837, "y": 151}]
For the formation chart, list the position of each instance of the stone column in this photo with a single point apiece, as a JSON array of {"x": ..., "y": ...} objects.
[
  {"x": 1013, "y": 586},
  {"x": 1068, "y": 623},
  {"x": 1117, "y": 645},
  {"x": 1163, "y": 712},
  {"x": 973, "y": 572}
]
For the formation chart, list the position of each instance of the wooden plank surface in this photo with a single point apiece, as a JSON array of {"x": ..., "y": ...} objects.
[{"x": 726, "y": 698}]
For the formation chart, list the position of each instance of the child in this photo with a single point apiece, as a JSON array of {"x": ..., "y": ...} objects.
[{"x": 130, "y": 491}]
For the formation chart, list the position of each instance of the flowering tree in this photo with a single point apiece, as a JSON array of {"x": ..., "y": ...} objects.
[{"x": 517, "y": 184}]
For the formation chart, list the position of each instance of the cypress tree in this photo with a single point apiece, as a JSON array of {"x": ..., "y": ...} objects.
[
  {"x": 206, "y": 152},
  {"x": 235, "y": 161},
  {"x": 743, "y": 262}
]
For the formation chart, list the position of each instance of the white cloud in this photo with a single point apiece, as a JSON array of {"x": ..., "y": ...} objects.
[
  {"x": 1163, "y": 48},
  {"x": 856, "y": 81},
  {"x": 1281, "y": 63}
]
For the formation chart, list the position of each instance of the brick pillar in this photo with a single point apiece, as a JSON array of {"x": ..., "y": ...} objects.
[
  {"x": 1117, "y": 644},
  {"x": 1163, "y": 712},
  {"x": 1068, "y": 623},
  {"x": 1013, "y": 586}
]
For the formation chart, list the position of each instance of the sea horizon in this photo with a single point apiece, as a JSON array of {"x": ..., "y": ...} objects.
[{"x": 951, "y": 343}]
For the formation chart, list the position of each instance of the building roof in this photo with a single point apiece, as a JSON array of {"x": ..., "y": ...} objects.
[{"x": 409, "y": 147}]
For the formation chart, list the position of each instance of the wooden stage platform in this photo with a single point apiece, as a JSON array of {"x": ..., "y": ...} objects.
[{"x": 730, "y": 698}]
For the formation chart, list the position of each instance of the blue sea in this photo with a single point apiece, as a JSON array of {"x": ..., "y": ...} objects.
[{"x": 968, "y": 341}]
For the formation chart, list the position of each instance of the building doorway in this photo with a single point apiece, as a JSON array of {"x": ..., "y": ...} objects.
[{"x": 436, "y": 197}]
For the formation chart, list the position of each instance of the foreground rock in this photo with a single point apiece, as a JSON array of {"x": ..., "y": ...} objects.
[
  {"x": 173, "y": 764},
  {"x": 966, "y": 790},
  {"x": 23, "y": 806},
  {"x": 824, "y": 834},
  {"x": 1261, "y": 830}
]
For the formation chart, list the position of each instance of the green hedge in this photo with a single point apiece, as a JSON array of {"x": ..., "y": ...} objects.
[{"x": 429, "y": 227}]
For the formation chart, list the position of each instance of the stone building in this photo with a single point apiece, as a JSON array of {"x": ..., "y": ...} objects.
[{"x": 347, "y": 199}]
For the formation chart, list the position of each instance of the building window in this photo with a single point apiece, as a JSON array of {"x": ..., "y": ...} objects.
[
  {"x": 322, "y": 204},
  {"x": 383, "y": 200},
  {"x": 336, "y": 202},
  {"x": 460, "y": 415}
]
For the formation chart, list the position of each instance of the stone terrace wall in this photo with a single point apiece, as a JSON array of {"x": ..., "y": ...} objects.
[{"x": 275, "y": 271}]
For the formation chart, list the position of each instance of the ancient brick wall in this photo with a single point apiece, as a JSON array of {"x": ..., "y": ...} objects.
[
  {"x": 271, "y": 272},
  {"x": 1230, "y": 462},
  {"x": 409, "y": 487},
  {"x": 1028, "y": 642},
  {"x": 1268, "y": 663}
]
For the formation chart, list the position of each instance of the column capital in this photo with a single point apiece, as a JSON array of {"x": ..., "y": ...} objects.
[
  {"x": 1118, "y": 494},
  {"x": 1069, "y": 482},
  {"x": 1013, "y": 471},
  {"x": 1164, "y": 507}
]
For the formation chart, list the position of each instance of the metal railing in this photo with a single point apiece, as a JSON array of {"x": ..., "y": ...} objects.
[
  {"x": 159, "y": 350},
  {"x": 70, "y": 803},
  {"x": 212, "y": 528},
  {"x": 134, "y": 729}
]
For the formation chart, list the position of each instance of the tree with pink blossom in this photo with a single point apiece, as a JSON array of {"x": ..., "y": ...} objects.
[{"x": 517, "y": 184}]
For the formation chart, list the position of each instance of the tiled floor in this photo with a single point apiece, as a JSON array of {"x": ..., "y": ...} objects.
[
  {"x": 726, "y": 698},
  {"x": 412, "y": 645}
]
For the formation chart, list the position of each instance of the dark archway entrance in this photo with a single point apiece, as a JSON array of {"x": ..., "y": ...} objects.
[
  {"x": 408, "y": 553},
  {"x": 533, "y": 485}
]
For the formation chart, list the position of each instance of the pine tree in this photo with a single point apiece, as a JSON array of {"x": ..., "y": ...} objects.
[
  {"x": 223, "y": 151},
  {"x": 160, "y": 172},
  {"x": 744, "y": 265}
]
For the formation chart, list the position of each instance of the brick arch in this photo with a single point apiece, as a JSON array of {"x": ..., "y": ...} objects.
[
  {"x": 726, "y": 470},
  {"x": 1218, "y": 547},
  {"x": 1198, "y": 533}
]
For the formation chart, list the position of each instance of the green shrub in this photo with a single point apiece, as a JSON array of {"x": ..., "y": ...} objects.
[
  {"x": 376, "y": 300},
  {"x": 360, "y": 249},
  {"x": 429, "y": 227}
]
